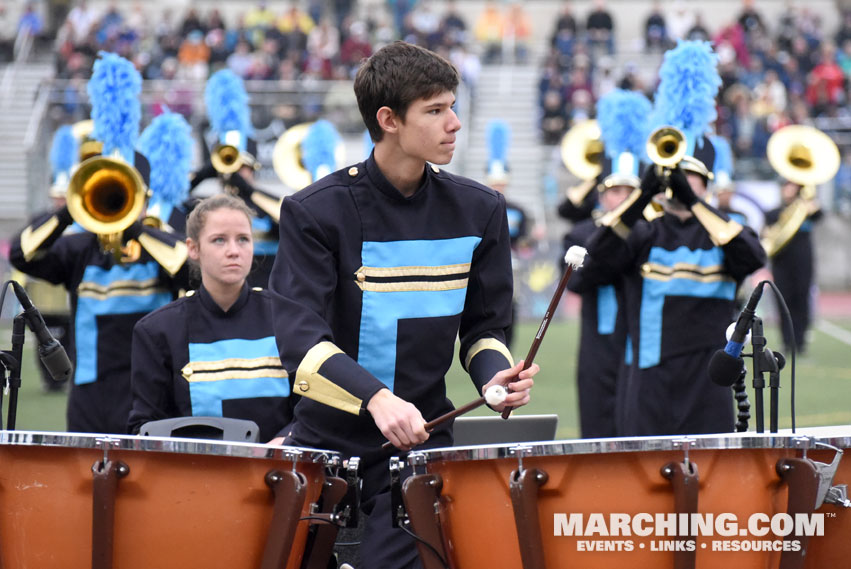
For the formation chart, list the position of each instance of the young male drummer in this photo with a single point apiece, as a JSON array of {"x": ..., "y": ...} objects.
[{"x": 380, "y": 266}]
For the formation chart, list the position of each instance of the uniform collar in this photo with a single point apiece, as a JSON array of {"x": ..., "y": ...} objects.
[
  {"x": 213, "y": 307},
  {"x": 376, "y": 176}
]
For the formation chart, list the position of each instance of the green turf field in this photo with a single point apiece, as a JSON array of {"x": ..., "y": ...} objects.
[{"x": 823, "y": 375}]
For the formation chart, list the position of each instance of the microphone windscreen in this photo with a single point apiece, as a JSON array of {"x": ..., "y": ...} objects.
[
  {"x": 725, "y": 369},
  {"x": 56, "y": 361}
]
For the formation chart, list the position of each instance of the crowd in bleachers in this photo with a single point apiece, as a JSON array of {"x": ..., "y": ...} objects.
[
  {"x": 311, "y": 39},
  {"x": 774, "y": 73}
]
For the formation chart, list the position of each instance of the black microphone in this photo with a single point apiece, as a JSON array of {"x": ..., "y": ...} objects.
[
  {"x": 726, "y": 365},
  {"x": 50, "y": 351}
]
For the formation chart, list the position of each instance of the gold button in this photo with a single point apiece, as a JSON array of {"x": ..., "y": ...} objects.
[
  {"x": 435, "y": 169},
  {"x": 190, "y": 293},
  {"x": 353, "y": 171},
  {"x": 361, "y": 276},
  {"x": 303, "y": 386}
]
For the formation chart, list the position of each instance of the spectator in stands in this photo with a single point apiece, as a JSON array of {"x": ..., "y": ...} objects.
[
  {"x": 554, "y": 121},
  {"x": 425, "y": 25},
  {"x": 194, "y": 56},
  {"x": 680, "y": 21},
  {"x": 655, "y": 29},
  {"x": 453, "y": 26},
  {"x": 8, "y": 30},
  {"x": 82, "y": 19},
  {"x": 563, "y": 39},
  {"x": 240, "y": 60},
  {"x": 698, "y": 31},
  {"x": 844, "y": 31},
  {"x": 356, "y": 47},
  {"x": 30, "y": 22},
  {"x": 749, "y": 19},
  {"x": 600, "y": 28},
  {"x": 488, "y": 32},
  {"x": 258, "y": 20},
  {"x": 518, "y": 31},
  {"x": 192, "y": 22},
  {"x": 323, "y": 47},
  {"x": 825, "y": 86}
]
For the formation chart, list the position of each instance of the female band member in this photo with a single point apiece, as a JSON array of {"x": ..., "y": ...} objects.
[{"x": 212, "y": 352}]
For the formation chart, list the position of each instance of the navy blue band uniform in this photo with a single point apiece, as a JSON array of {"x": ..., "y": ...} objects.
[
  {"x": 191, "y": 358},
  {"x": 375, "y": 287},
  {"x": 601, "y": 345},
  {"x": 793, "y": 271},
  {"x": 679, "y": 288},
  {"x": 107, "y": 299}
]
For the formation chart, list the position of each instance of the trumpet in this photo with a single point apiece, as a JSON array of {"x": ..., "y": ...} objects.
[
  {"x": 227, "y": 156},
  {"x": 105, "y": 196},
  {"x": 666, "y": 146}
]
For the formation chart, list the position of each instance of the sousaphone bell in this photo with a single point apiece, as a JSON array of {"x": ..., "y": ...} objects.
[
  {"x": 582, "y": 153},
  {"x": 804, "y": 156},
  {"x": 287, "y": 157}
]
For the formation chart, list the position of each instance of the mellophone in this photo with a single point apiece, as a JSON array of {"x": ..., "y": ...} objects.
[
  {"x": 72, "y": 500},
  {"x": 740, "y": 500}
]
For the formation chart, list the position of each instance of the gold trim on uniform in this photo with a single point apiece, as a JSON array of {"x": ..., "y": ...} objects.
[
  {"x": 657, "y": 272},
  {"x": 234, "y": 368},
  {"x": 720, "y": 231},
  {"x": 269, "y": 205},
  {"x": 412, "y": 273},
  {"x": 171, "y": 258},
  {"x": 309, "y": 383},
  {"x": 488, "y": 344},
  {"x": 88, "y": 289},
  {"x": 31, "y": 239}
]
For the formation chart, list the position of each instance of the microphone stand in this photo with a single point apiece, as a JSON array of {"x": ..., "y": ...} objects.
[
  {"x": 758, "y": 343},
  {"x": 11, "y": 362}
]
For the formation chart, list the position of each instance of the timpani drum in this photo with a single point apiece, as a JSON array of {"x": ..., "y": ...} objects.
[
  {"x": 72, "y": 500},
  {"x": 713, "y": 502}
]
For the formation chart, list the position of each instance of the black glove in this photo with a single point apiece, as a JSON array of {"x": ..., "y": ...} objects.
[
  {"x": 204, "y": 173},
  {"x": 64, "y": 216},
  {"x": 133, "y": 231},
  {"x": 651, "y": 183},
  {"x": 681, "y": 188},
  {"x": 243, "y": 188}
]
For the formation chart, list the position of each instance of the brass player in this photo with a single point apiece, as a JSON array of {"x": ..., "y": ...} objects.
[
  {"x": 116, "y": 271},
  {"x": 679, "y": 271},
  {"x": 622, "y": 117}
]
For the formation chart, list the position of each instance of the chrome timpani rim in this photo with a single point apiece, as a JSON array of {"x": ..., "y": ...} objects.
[
  {"x": 804, "y": 438},
  {"x": 168, "y": 445}
]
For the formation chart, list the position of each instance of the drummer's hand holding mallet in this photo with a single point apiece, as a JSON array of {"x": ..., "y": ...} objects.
[{"x": 403, "y": 424}]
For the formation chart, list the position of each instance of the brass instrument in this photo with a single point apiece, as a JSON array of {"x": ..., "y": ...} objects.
[
  {"x": 666, "y": 146},
  {"x": 804, "y": 156},
  {"x": 226, "y": 156},
  {"x": 105, "y": 196},
  {"x": 89, "y": 147},
  {"x": 286, "y": 157},
  {"x": 582, "y": 154}
]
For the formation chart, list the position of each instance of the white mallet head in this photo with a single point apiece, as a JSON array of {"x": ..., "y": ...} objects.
[
  {"x": 495, "y": 395},
  {"x": 575, "y": 256}
]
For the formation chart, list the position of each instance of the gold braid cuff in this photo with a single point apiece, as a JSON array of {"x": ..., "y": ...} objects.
[
  {"x": 487, "y": 344},
  {"x": 309, "y": 383},
  {"x": 720, "y": 231}
]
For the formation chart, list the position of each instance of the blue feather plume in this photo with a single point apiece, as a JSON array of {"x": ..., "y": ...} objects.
[
  {"x": 623, "y": 119},
  {"x": 114, "y": 94},
  {"x": 498, "y": 137},
  {"x": 689, "y": 82},
  {"x": 63, "y": 150},
  {"x": 167, "y": 144},
  {"x": 318, "y": 149},
  {"x": 227, "y": 104},
  {"x": 723, "y": 155}
]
